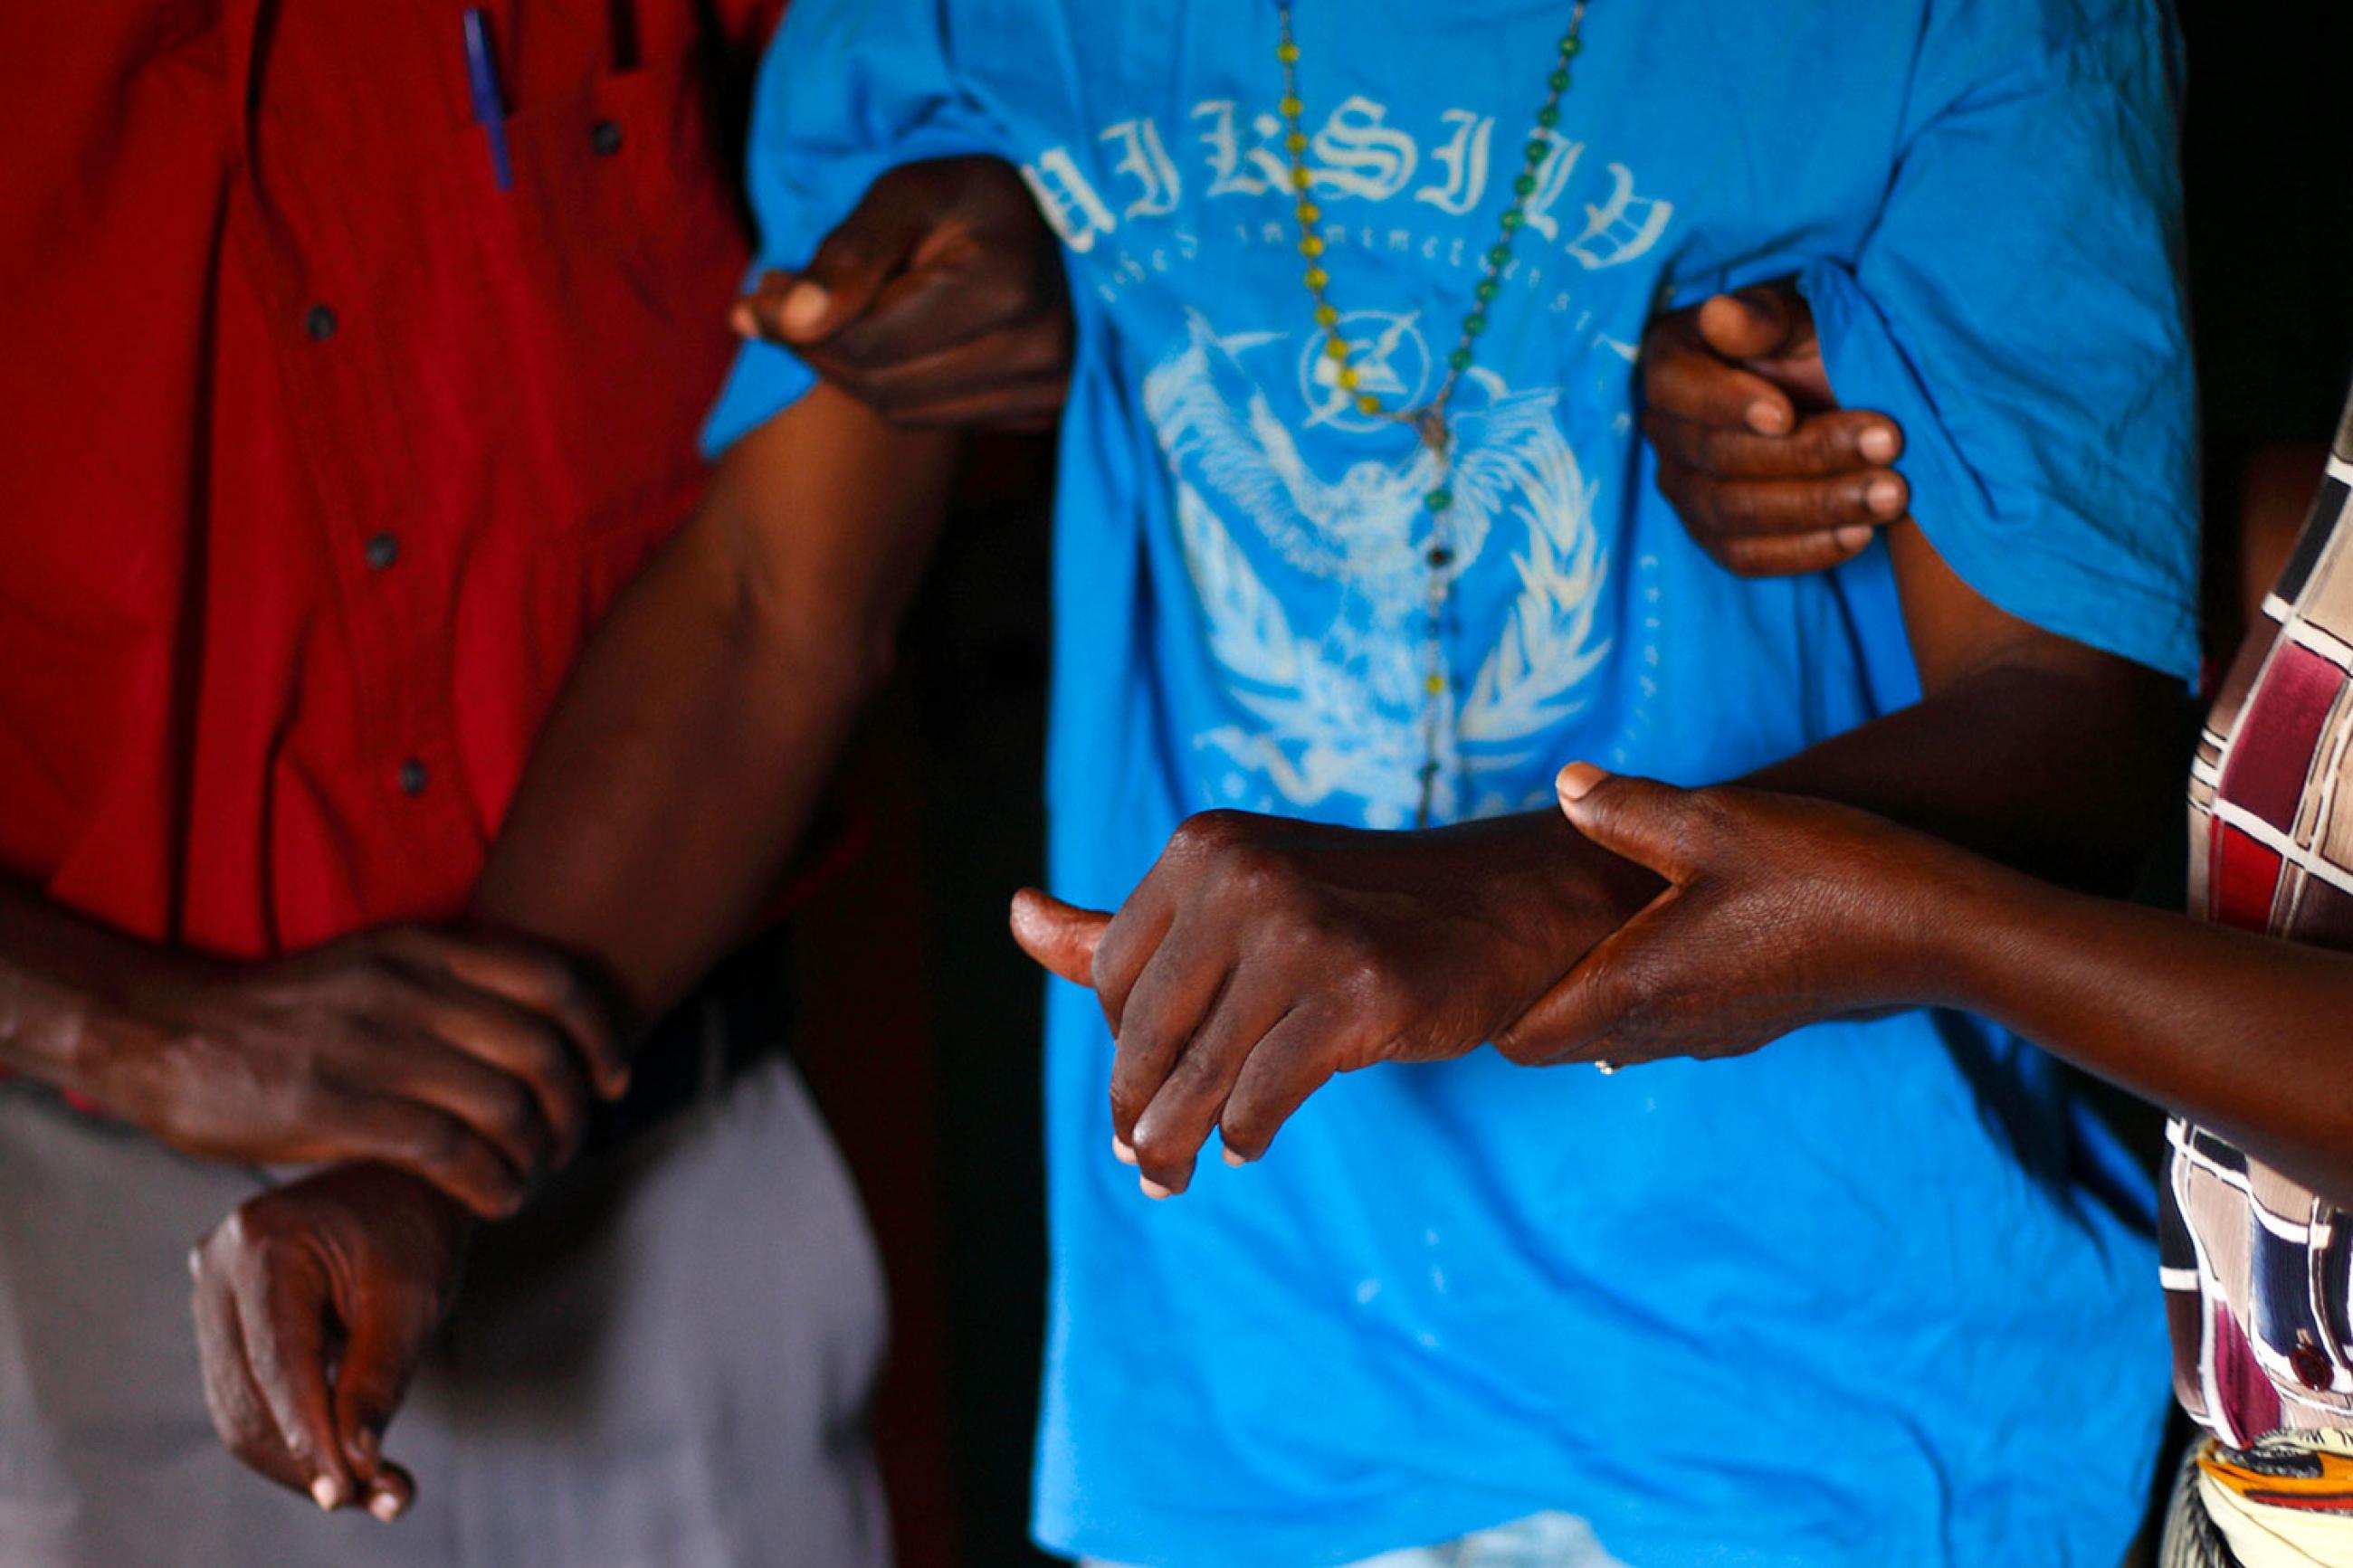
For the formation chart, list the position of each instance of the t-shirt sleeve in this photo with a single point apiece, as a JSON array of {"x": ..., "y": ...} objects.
[
  {"x": 849, "y": 90},
  {"x": 2020, "y": 310}
]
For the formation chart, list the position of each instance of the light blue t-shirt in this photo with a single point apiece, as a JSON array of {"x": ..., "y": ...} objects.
[{"x": 1835, "y": 1304}]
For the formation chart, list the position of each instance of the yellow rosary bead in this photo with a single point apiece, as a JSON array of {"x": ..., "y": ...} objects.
[
  {"x": 1435, "y": 686},
  {"x": 1348, "y": 377},
  {"x": 1340, "y": 349},
  {"x": 1300, "y": 179},
  {"x": 1292, "y": 108},
  {"x": 1368, "y": 404},
  {"x": 1327, "y": 316},
  {"x": 1311, "y": 245},
  {"x": 1297, "y": 143},
  {"x": 1318, "y": 279},
  {"x": 1309, "y": 212},
  {"x": 1288, "y": 54}
]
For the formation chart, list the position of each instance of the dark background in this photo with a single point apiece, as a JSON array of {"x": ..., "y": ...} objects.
[{"x": 922, "y": 1026}]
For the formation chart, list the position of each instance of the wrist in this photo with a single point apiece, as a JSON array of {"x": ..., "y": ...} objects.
[
  {"x": 84, "y": 1022},
  {"x": 57, "y": 1032},
  {"x": 1582, "y": 890},
  {"x": 1965, "y": 913},
  {"x": 400, "y": 1210}
]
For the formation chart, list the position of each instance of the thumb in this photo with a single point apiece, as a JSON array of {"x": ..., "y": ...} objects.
[
  {"x": 1640, "y": 820},
  {"x": 1060, "y": 936},
  {"x": 806, "y": 309},
  {"x": 379, "y": 1359},
  {"x": 873, "y": 245},
  {"x": 1763, "y": 322},
  {"x": 283, "y": 1309}
]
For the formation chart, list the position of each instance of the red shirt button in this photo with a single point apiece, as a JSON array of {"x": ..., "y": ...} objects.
[{"x": 2312, "y": 1368}]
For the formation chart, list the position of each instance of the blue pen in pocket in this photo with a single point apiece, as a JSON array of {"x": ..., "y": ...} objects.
[{"x": 490, "y": 103}]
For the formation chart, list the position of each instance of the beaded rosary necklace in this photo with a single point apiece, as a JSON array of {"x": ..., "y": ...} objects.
[{"x": 1429, "y": 421}]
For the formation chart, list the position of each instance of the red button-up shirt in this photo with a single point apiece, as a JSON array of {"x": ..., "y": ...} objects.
[{"x": 319, "y": 453}]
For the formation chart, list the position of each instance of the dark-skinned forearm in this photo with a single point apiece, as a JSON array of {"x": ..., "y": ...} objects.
[
  {"x": 2028, "y": 748},
  {"x": 675, "y": 779},
  {"x": 2071, "y": 773},
  {"x": 2067, "y": 773},
  {"x": 2238, "y": 1032},
  {"x": 656, "y": 814},
  {"x": 670, "y": 786},
  {"x": 60, "y": 975}
]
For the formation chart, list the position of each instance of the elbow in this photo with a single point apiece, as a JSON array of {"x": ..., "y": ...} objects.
[
  {"x": 848, "y": 651},
  {"x": 870, "y": 656},
  {"x": 2114, "y": 756}
]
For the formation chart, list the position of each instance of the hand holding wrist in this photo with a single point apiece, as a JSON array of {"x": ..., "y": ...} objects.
[
  {"x": 1778, "y": 912},
  {"x": 468, "y": 1058},
  {"x": 1265, "y": 955},
  {"x": 1583, "y": 892}
]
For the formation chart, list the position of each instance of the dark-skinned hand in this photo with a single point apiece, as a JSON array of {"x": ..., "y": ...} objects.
[
  {"x": 314, "y": 1305},
  {"x": 1262, "y": 956},
  {"x": 940, "y": 301},
  {"x": 468, "y": 1058},
  {"x": 1769, "y": 474},
  {"x": 1778, "y": 912}
]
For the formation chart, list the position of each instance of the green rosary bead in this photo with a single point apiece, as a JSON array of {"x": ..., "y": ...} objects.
[
  {"x": 1486, "y": 291},
  {"x": 1526, "y": 186},
  {"x": 1474, "y": 323},
  {"x": 1439, "y": 500},
  {"x": 1460, "y": 360}
]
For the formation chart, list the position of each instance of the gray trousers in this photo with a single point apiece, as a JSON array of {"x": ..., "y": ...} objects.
[{"x": 664, "y": 1364}]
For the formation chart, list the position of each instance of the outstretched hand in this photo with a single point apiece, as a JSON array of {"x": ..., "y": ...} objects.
[
  {"x": 1770, "y": 477},
  {"x": 314, "y": 1303},
  {"x": 1778, "y": 912},
  {"x": 940, "y": 301},
  {"x": 1263, "y": 955}
]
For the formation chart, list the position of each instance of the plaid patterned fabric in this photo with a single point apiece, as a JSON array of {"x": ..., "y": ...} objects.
[{"x": 2257, "y": 1268}]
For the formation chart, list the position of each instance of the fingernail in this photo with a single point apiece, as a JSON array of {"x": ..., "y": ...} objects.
[
  {"x": 363, "y": 1444},
  {"x": 1886, "y": 497},
  {"x": 1235, "y": 1161},
  {"x": 1852, "y": 538},
  {"x": 385, "y": 1505},
  {"x": 743, "y": 320},
  {"x": 1768, "y": 418},
  {"x": 1121, "y": 1150},
  {"x": 805, "y": 308},
  {"x": 325, "y": 1493},
  {"x": 1153, "y": 1190},
  {"x": 1878, "y": 444},
  {"x": 1577, "y": 781}
]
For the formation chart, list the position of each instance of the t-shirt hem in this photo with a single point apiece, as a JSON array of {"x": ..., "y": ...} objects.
[
  {"x": 763, "y": 381},
  {"x": 1158, "y": 1537},
  {"x": 2023, "y": 566}
]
